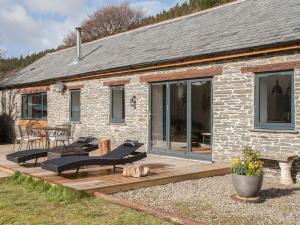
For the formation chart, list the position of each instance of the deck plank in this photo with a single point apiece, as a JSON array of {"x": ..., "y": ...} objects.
[{"x": 101, "y": 179}]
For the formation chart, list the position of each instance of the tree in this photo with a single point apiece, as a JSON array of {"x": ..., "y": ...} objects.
[
  {"x": 107, "y": 21},
  {"x": 2, "y": 54}
]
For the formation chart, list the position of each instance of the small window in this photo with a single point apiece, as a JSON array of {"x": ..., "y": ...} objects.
[
  {"x": 117, "y": 104},
  {"x": 34, "y": 106},
  {"x": 75, "y": 105},
  {"x": 274, "y": 100}
]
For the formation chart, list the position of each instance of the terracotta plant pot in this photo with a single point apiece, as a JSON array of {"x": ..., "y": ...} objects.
[{"x": 247, "y": 186}]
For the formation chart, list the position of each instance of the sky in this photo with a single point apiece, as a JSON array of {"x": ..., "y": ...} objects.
[{"x": 28, "y": 26}]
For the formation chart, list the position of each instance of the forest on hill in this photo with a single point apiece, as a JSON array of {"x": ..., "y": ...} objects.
[{"x": 107, "y": 21}]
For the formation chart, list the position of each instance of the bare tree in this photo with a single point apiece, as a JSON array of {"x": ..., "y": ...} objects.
[
  {"x": 107, "y": 21},
  {"x": 2, "y": 54}
]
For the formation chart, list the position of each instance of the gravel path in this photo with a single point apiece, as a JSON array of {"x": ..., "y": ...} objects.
[{"x": 208, "y": 200}]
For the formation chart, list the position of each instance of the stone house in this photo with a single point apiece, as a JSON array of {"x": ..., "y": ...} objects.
[{"x": 200, "y": 86}]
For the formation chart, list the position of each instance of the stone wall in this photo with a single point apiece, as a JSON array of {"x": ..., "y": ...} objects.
[
  {"x": 94, "y": 119},
  {"x": 9, "y": 111},
  {"x": 233, "y": 115},
  {"x": 233, "y": 111}
]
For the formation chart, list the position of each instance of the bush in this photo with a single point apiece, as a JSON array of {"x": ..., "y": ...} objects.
[{"x": 249, "y": 164}]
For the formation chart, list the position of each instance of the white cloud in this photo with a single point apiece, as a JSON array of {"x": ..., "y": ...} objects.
[
  {"x": 28, "y": 26},
  {"x": 150, "y": 7},
  {"x": 22, "y": 33},
  {"x": 61, "y": 7}
]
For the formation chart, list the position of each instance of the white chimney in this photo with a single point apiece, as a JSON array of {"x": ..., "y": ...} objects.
[{"x": 78, "y": 42}]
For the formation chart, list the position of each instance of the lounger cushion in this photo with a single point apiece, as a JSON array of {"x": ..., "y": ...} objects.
[
  {"x": 121, "y": 155},
  {"x": 23, "y": 156}
]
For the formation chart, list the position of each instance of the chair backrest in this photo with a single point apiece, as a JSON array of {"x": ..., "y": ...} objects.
[
  {"x": 64, "y": 126},
  {"x": 18, "y": 132},
  {"x": 123, "y": 150},
  {"x": 67, "y": 129},
  {"x": 23, "y": 131}
]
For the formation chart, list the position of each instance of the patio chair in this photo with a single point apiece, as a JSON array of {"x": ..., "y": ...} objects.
[
  {"x": 125, "y": 153},
  {"x": 18, "y": 138},
  {"x": 73, "y": 126},
  {"x": 61, "y": 136},
  {"x": 24, "y": 156},
  {"x": 29, "y": 137}
]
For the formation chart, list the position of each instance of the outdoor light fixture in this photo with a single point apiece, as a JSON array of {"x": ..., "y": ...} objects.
[{"x": 133, "y": 101}]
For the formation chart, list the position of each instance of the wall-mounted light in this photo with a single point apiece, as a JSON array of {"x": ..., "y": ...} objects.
[{"x": 133, "y": 101}]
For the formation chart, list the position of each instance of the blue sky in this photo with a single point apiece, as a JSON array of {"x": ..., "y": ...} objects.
[{"x": 28, "y": 26}]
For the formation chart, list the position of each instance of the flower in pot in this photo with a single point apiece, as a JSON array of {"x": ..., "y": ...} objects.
[{"x": 247, "y": 173}]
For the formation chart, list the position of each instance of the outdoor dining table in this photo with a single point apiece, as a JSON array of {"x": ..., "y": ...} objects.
[{"x": 45, "y": 132}]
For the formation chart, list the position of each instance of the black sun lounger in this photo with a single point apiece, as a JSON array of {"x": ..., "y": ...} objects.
[
  {"x": 125, "y": 153},
  {"x": 23, "y": 156}
]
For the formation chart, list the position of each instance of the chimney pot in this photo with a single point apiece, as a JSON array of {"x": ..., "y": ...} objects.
[{"x": 78, "y": 42}]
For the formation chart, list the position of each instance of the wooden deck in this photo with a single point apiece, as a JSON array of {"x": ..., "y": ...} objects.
[{"x": 163, "y": 170}]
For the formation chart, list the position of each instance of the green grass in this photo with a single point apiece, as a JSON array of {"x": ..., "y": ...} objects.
[{"x": 24, "y": 200}]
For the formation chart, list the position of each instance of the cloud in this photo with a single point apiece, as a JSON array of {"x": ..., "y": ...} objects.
[
  {"x": 24, "y": 32},
  {"x": 60, "y": 7},
  {"x": 28, "y": 26},
  {"x": 150, "y": 7}
]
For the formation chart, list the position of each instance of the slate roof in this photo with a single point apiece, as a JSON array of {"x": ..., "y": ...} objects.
[{"x": 241, "y": 25}]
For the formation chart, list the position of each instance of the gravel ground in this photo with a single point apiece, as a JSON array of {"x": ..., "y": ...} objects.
[{"x": 208, "y": 200}]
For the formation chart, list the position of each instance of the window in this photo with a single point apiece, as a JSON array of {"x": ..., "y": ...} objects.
[
  {"x": 117, "y": 104},
  {"x": 75, "y": 105},
  {"x": 34, "y": 106},
  {"x": 274, "y": 100}
]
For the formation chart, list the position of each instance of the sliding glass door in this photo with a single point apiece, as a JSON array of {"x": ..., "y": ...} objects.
[
  {"x": 180, "y": 118},
  {"x": 200, "y": 114},
  {"x": 158, "y": 116}
]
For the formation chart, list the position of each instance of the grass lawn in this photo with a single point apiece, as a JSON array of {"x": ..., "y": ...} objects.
[{"x": 27, "y": 201}]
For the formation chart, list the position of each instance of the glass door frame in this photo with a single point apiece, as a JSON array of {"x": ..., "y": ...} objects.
[{"x": 168, "y": 151}]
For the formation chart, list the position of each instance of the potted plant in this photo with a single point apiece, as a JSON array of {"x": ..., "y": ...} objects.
[{"x": 247, "y": 173}]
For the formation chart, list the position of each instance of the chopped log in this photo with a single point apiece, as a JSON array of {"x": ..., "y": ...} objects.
[
  {"x": 135, "y": 171},
  {"x": 104, "y": 146}
]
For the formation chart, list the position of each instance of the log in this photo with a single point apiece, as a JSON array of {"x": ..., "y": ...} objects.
[
  {"x": 135, "y": 171},
  {"x": 104, "y": 146}
]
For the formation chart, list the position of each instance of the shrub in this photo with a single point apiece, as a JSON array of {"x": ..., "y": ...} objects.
[{"x": 249, "y": 164}]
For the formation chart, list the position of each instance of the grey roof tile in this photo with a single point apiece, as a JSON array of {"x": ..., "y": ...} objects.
[{"x": 244, "y": 24}]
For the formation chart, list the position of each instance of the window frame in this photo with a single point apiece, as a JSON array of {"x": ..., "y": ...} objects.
[
  {"x": 71, "y": 119},
  {"x": 27, "y": 102},
  {"x": 273, "y": 126},
  {"x": 111, "y": 119}
]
